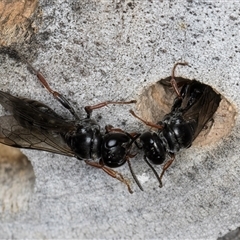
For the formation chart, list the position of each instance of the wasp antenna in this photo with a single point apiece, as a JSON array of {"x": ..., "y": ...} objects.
[
  {"x": 130, "y": 156},
  {"x": 134, "y": 175},
  {"x": 134, "y": 138},
  {"x": 154, "y": 171}
]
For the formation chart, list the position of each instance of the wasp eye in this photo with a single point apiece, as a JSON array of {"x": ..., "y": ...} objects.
[{"x": 111, "y": 143}]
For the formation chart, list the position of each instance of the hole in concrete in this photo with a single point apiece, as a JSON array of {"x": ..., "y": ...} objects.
[
  {"x": 17, "y": 21},
  {"x": 156, "y": 101},
  {"x": 16, "y": 180}
]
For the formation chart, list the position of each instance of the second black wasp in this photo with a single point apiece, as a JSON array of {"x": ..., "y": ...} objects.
[{"x": 193, "y": 107}]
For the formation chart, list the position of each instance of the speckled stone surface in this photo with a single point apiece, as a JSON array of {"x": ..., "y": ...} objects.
[{"x": 92, "y": 51}]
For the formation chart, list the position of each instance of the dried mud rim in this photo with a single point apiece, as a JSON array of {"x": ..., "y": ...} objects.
[
  {"x": 17, "y": 180},
  {"x": 156, "y": 101},
  {"x": 17, "y": 21}
]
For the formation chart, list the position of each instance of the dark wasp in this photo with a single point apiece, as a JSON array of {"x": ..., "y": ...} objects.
[
  {"x": 192, "y": 109},
  {"x": 34, "y": 125}
]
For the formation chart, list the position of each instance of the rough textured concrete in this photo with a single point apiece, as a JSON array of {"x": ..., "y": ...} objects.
[{"x": 92, "y": 51}]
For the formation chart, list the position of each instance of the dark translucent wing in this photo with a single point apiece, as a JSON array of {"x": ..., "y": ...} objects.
[
  {"x": 202, "y": 109},
  {"x": 32, "y": 125},
  {"x": 33, "y": 114}
]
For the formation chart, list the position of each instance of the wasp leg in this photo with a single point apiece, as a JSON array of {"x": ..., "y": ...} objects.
[
  {"x": 166, "y": 166},
  {"x": 173, "y": 81},
  {"x": 208, "y": 126},
  {"x": 110, "y": 128},
  {"x": 160, "y": 127},
  {"x": 110, "y": 172},
  {"x": 89, "y": 109},
  {"x": 58, "y": 96}
]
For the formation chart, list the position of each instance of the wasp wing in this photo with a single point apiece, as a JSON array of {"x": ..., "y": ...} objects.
[
  {"x": 33, "y": 125},
  {"x": 199, "y": 104}
]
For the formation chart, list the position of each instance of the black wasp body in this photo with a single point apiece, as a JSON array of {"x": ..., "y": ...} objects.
[
  {"x": 193, "y": 107},
  {"x": 34, "y": 125}
]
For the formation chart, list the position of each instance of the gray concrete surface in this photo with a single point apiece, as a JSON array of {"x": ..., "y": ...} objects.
[{"x": 92, "y": 51}]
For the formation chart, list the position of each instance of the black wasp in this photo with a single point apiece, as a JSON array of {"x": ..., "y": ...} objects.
[
  {"x": 193, "y": 107},
  {"x": 34, "y": 125}
]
